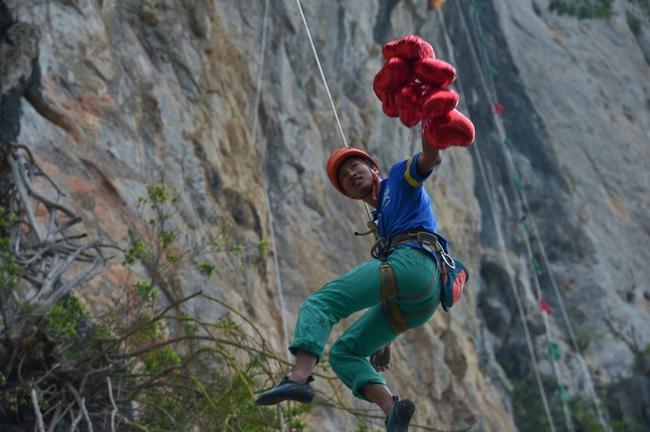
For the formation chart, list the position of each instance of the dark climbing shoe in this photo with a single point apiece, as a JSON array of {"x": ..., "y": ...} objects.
[
  {"x": 400, "y": 416},
  {"x": 287, "y": 390}
]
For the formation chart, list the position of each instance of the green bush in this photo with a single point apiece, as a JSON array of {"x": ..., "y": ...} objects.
[
  {"x": 166, "y": 369},
  {"x": 148, "y": 363},
  {"x": 9, "y": 270}
]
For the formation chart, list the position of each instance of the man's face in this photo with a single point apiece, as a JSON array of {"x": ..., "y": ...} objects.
[{"x": 355, "y": 177}]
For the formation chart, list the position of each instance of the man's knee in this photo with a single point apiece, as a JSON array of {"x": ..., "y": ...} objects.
[
  {"x": 329, "y": 301},
  {"x": 315, "y": 302},
  {"x": 337, "y": 356}
]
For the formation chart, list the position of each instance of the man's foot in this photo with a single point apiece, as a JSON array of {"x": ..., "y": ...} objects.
[
  {"x": 400, "y": 416},
  {"x": 287, "y": 390}
]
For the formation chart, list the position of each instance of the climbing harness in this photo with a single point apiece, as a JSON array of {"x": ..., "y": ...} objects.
[
  {"x": 389, "y": 295},
  {"x": 430, "y": 242},
  {"x": 452, "y": 273},
  {"x": 391, "y": 299}
]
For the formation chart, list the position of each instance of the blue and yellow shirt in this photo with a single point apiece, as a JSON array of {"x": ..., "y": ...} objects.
[{"x": 403, "y": 204}]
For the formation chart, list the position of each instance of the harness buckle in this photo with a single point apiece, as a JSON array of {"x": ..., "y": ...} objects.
[
  {"x": 428, "y": 240},
  {"x": 431, "y": 243}
]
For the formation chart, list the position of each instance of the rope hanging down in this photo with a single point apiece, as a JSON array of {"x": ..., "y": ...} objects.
[
  {"x": 504, "y": 253},
  {"x": 327, "y": 89},
  {"x": 498, "y": 108},
  {"x": 556, "y": 290},
  {"x": 322, "y": 74},
  {"x": 254, "y": 115},
  {"x": 511, "y": 165}
]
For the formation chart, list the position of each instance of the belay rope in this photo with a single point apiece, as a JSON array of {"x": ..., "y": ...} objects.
[
  {"x": 254, "y": 114},
  {"x": 512, "y": 167},
  {"x": 506, "y": 259},
  {"x": 554, "y": 285},
  {"x": 329, "y": 95}
]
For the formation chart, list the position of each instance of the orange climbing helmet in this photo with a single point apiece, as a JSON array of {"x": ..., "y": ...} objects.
[{"x": 341, "y": 155}]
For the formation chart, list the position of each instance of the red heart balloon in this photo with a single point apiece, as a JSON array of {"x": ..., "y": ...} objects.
[
  {"x": 390, "y": 106},
  {"x": 437, "y": 102},
  {"x": 435, "y": 72},
  {"x": 408, "y": 100},
  {"x": 393, "y": 75},
  {"x": 454, "y": 129},
  {"x": 409, "y": 47}
]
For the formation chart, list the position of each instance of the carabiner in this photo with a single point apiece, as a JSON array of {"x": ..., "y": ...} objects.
[{"x": 449, "y": 261}]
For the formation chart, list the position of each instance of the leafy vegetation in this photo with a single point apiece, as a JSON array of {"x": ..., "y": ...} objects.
[
  {"x": 603, "y": 9},
  {"x": 9, "y": 270},
  {"x": 147, "y": 364}
]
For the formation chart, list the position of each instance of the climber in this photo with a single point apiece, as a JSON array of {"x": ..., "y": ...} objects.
[
  {"x": 411, "y": 272},
  {"x": 400, "y": 287}
]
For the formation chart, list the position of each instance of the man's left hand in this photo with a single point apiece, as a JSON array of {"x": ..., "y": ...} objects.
[{"x": 380, "y": 360}]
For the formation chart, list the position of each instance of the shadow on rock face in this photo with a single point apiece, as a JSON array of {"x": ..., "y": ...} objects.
[
  {"x": 242, "y": 211},
  {"x": 494, "y": 302},
  {"x": 498, "y": 309},
  {"x": 632, "y": 397},
  {"x": 5, "y": 18}
]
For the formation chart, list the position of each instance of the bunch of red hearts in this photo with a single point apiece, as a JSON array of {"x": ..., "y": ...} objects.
[{"x": 413, "y": 85}]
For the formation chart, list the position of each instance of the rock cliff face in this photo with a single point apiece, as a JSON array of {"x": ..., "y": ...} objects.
[{"x": 557, "y": 184}]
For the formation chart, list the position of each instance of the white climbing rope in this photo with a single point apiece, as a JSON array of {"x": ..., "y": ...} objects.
[
  {"x": 502, "y": 248},
  {"x": 322, "y": 74},
  {"x": 511, "y": 165},
  {"x": 549, "y": 340},
  {"x": 254, "y": 115},
  {"x": 327, "y": 89},
  {"x": 501, "y": 130},
  {"x": 260, "y": 70}
]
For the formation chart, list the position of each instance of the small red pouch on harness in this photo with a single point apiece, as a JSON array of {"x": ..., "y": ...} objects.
[{"x": 452, "y": 281}]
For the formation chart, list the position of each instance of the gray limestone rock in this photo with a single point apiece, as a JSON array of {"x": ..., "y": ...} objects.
[{"x": 166, "y": 90}]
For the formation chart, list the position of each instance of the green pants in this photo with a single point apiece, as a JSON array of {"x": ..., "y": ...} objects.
[{"x": 417, "y": 276}]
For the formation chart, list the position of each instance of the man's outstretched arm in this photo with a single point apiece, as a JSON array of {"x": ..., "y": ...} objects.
[{"x": 429, "y": 158}]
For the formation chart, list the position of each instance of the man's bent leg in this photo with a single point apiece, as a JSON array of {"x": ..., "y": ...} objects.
[
  {"x": 349, "y": 354},
  {"x": 380, "y": 395},
  {"x": 356, "y": 290}
]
